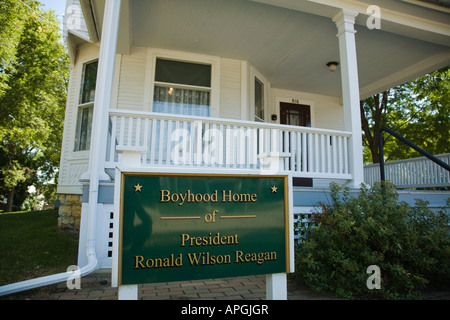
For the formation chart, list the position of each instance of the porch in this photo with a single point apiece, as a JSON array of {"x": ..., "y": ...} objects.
[{"x": 167, "y": 140}]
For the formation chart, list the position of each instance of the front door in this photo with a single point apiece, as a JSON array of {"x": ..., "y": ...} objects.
[{"x": 296, "y": 115}]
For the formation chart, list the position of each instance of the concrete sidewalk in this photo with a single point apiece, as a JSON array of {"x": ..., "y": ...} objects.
[{"x": 97, "y": 286}]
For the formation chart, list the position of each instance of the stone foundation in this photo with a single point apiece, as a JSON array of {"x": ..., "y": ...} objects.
[{"x": 70, "y": 212}]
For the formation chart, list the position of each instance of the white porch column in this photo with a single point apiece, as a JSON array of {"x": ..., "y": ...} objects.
[
  {"x": 100, "y": 118},
  {"x": 104, "y": 88},
  {"x": 345, "y": 21}
]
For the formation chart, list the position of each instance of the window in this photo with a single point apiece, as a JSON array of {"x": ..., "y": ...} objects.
[
  {"x": 259, "y": 100},
  {"x": 182, "y": 88},
  {"x": 86, "y": 107}
]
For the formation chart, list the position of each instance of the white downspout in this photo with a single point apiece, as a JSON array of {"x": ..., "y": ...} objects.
[{"x": 102, "y": 104}]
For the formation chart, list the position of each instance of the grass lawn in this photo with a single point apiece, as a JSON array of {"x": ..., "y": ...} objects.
[{"x": 31, "y": 246}]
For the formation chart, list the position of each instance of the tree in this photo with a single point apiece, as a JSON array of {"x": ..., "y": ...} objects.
[
  {"x": 419, "y": 110},
  {"x": 11, "y": 26},
  {"x": 428, "y": 120},
  {"x": 32, "y": 104}
]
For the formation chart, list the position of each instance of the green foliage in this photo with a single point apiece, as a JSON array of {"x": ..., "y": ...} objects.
[
  {"x": 418, "y": 110},
  {"x": 427, "y": 120},
  {"x": 410, "y": 245},
  {"x": 11, "y": 25},
  {"x": 34, "y": 72},
  {"x": 15, "y": 174}
]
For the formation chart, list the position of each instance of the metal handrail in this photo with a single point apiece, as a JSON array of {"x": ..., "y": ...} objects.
[{"x": 409, "y": 144}]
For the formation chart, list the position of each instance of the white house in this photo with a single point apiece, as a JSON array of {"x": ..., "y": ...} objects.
[{"x": 229, "y": 86}]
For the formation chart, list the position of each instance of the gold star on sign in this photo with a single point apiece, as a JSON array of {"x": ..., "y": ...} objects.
[
  {"x": 274, "y": 189},
  {"x": 137, "y": 188}
]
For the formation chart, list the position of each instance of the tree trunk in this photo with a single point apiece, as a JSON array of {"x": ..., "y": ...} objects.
[
  {"x": 375, "y": 148},
  {"x": 374, "y": 111},
  {"x": 9, "y": 204}
]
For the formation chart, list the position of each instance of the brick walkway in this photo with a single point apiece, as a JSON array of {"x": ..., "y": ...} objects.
[{"x": 97, "y": 286}]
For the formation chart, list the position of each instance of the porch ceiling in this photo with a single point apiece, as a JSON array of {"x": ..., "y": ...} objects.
[{"x": 289, "y": 46}]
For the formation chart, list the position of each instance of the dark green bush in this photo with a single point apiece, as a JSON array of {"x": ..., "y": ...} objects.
[{"x": 410, "y": 245}]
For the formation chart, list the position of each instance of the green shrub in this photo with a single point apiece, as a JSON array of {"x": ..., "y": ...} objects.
[{"x": 410, "y": 245}]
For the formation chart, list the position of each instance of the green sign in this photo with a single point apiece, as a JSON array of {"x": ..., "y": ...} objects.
[{"x": 188, "y": 227}]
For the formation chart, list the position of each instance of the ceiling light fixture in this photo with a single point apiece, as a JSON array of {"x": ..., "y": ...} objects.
[{"x": 332, "y": 65}]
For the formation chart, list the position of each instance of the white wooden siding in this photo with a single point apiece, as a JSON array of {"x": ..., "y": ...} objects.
[
  {"x": 132, "y": 80},
  {"x": 74, "y": 164},
  {"x": 230, "y": 89}
]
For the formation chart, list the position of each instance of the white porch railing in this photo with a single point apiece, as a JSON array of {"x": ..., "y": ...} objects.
[
  {"x": 172, "y": 140},
  {"x": 411, "y": 173}
]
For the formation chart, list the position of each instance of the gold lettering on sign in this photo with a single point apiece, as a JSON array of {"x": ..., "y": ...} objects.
[
  {"x": 209, "y": 240},
  {"x": 259, "y": 257},
  {"x": 228, "y": 196},
  {"x": 141, "y": 263},
  {"x": 187, "y": 197}
]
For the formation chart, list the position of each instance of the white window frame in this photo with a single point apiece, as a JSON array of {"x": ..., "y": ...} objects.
[
  {"x": 153, "y": 54},
  {"x": 80, "y": 107},
  {"x": 255, "y": 74}
]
